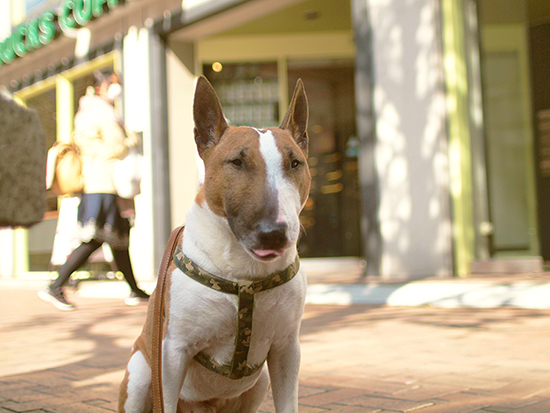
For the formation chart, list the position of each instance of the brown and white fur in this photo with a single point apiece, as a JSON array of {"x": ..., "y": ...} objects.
[{"x": 244, "y": 225}]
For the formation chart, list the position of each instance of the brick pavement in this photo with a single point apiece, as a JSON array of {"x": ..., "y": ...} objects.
[{"x": 356, "y": 358}]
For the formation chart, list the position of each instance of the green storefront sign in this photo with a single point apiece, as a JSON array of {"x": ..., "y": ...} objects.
[{"x": 43, "y": 29}]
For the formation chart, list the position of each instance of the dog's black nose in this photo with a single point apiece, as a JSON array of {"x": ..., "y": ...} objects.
[{"x": 272, "y": 236}]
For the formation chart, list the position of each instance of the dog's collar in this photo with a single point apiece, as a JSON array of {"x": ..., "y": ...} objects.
[
  {"x": 203, "y": 277},
  {"x": 238, "y": 367}
]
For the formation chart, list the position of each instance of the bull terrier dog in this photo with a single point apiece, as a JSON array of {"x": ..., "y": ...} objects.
[{"x": 234, "y": 294}]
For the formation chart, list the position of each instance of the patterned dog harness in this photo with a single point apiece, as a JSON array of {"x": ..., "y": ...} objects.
[{"x": 238, "y": 367}]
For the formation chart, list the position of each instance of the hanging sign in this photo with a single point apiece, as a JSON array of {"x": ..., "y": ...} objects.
[{"x": 43, "y": 29}]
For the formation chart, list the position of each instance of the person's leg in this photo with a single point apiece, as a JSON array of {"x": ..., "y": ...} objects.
[
  {"x": 122, "y": 260},
  {"x": 77, "y": 258},
  {"x": 53, "y": 294}
]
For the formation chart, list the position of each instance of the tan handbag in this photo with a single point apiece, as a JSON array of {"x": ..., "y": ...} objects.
[{"x": 64, "y": 169}]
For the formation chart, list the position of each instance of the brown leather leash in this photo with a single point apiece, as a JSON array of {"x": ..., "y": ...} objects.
[{"x": 158, "y": 401}]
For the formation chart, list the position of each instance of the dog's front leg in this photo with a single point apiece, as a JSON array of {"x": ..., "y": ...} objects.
[
  {"x": 175, "y": 361},
  {"x": 283, "y": 363}
]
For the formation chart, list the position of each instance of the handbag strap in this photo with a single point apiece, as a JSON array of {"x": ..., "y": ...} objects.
[{"x": 158, "y": 402}]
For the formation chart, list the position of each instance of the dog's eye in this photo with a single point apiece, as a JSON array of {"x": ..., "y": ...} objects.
[
  {"x": 295, "y": 164},
  {"x": 237, "y": 162}
]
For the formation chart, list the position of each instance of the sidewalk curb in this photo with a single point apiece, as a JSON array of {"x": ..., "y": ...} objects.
[
  {"x": 445, "y": 294},
  {"x": 449, "y": 293}
]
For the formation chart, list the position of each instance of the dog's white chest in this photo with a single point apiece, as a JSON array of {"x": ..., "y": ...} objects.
[{"x": 204, "y": 321}]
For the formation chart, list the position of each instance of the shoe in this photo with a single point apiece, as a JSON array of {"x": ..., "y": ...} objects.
[
  {"x": 56, "y": 298},
  {"x": 136, "y": 297}
]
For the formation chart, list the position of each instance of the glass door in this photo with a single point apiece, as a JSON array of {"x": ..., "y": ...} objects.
[
  {"x": 508, "y": 130},
  {"x": 331, "y": 218}
]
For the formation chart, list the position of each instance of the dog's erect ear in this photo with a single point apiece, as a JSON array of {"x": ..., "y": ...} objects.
[
  {"x": 208, "y": 116},
  {"x": 295, "y": 120}
]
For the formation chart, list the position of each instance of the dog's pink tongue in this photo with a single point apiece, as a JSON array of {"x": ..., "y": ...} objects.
[{"x": 265, "y": 253}]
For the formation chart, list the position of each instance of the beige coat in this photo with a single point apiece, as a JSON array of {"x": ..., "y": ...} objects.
[{"x": 99, "y": 133}]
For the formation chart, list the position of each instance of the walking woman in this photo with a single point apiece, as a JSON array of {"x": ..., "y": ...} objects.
[{"x": 100, "y": 136}]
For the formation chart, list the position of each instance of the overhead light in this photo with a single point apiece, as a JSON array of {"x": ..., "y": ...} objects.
[{"x": 217, "y": 67}]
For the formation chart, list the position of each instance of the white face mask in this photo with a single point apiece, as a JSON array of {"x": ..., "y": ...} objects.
[{"x": 114, "y": 91}]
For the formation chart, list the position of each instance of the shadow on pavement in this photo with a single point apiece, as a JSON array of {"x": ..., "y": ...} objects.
[
  {"x": 73, "y": 362},
  {"x": 323, "y": 317},
  {"x": 64, "y": 362}
]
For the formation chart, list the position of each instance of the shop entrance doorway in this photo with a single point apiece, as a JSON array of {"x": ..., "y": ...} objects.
[
  {"x": 250, "y": 94},
  {"x": 508, "y": 130},
  {"x": 332, "y": 214}
]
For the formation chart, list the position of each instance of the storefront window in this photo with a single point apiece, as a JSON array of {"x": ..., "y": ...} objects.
[
  {"x": 41, "y": 236},
  {"x": 249, "y": 92},
  {"x": 44, "y": 104}
]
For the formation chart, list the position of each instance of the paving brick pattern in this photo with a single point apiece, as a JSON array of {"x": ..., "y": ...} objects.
[{"x": 355, "y": 359}]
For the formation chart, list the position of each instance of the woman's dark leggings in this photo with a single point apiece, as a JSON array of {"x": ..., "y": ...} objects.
[{"x": 79, "y": 256}]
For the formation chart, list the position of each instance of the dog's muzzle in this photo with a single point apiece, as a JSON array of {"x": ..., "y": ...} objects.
[{"x": 272, "y": 241}]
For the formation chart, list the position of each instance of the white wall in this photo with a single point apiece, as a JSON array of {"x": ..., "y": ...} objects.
[
  {"x": 411, "y": 152},
  {"x": 184, "y": 167}
]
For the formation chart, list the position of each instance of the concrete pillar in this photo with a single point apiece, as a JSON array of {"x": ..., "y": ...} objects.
[
  {"x": 159, "y": 144},
  {"x": 137, "y": 110},
  {"x": 405, "y": 163}
]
